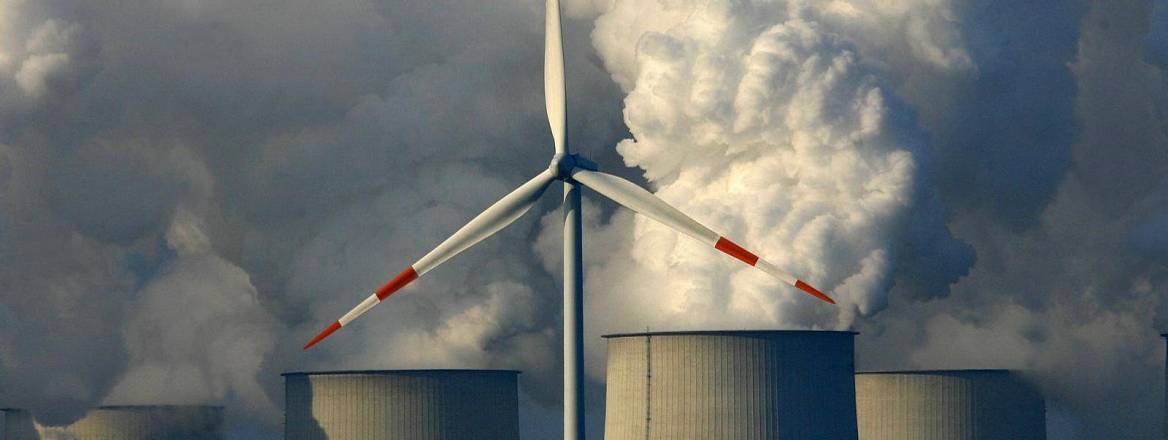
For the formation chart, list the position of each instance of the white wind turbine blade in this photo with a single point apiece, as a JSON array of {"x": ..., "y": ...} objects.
[
  {"x": 643, "y": 202},
  {"x": 553, "y": 76},
  {"x": 496, "y": 217}
]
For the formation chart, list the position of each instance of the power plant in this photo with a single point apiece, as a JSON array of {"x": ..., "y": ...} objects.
[
  {"x": 948, "y": 405},
  {"x": 731, "y": 385},
  {"x": 740, "y": 384},
  {"x": 402, "y": 404},
  {"x": 142, "y": 422}
]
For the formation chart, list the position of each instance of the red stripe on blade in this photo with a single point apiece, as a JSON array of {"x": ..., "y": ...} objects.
[
  {"x": 403, "y": 278},
  {"x": 813, "y": 291},
  {"x": 735, "y": 251},
  {"x": 324, "y": 334}
]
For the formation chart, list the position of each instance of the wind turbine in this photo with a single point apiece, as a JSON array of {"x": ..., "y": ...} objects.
[{"x": 574, "y": 171}]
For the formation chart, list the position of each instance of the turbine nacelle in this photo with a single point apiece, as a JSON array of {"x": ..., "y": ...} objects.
[{"x": 563, "y": 164}]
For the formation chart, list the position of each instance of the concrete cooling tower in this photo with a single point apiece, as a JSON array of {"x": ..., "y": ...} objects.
[
  {"x": 17, "y": 424},
  {"x": 144, "y": 422},
  {"x": 742, "y": 385},
  {"x": 948, "y": 405},
  {"x": 402, "y": 404}
]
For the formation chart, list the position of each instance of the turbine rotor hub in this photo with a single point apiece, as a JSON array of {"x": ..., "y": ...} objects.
[{"x": 563, "y": 164}]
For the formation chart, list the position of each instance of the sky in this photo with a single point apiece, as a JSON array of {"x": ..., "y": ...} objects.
[{"x": 191, "y": 189}]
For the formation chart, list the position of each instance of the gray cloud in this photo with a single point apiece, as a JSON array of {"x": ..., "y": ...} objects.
[
  {"x": 1075, "y": 285},
  {"x": 277, "y": 132},
  {"x": 246, "y": 174}
]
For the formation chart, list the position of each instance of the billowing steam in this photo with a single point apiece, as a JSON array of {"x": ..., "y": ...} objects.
[
  {"x": 196, "y": 330},
  {"x": 763, "y": 123},
  {"x": 189, "y": 189},
  {"x": 39, "y": 53}
]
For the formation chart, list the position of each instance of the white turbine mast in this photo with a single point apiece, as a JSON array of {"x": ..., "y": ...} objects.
[{"x": 574, "y": 171}]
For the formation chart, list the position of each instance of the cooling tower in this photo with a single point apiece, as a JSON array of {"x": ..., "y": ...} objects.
[
  {"x": 948, "y": 405},
  {"x": 773, "y": 385},
  {"x": 142, "y": 422},
  {"x": 17, "y": 424},
  {"x": 402, "y": 404}
]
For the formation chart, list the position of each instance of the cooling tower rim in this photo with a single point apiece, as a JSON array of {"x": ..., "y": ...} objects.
[
  {"x": 727, "y": 333},
  {"x": 399, "y": 372},
  {"x": 137, "y": 407},
  {"x": 937, "y": 372}
]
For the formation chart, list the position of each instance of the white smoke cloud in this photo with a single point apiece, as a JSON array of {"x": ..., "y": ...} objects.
[
  {"x": 47, "y": 55},
  {"x": 196, "y": 330},
  {"x": 37, "y": 51},
  {"x": 37, "y": 70},
  {"x": 277, "y": 164},
  {"x": 769, "y": 128},
  {"x": 928, "y": 29}
]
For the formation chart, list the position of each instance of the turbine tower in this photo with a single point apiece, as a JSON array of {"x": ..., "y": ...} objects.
[{"x": 576, "y": 173}]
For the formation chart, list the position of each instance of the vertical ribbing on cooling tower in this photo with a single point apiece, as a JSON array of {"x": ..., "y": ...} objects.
[
  {"x": 402, "y": 404},
  {"x": 948, "y": 405},
  {"x": 648, "y": 386},
  {"x": 17, "y": 424},
  {"x": 745, "y": 385}
]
